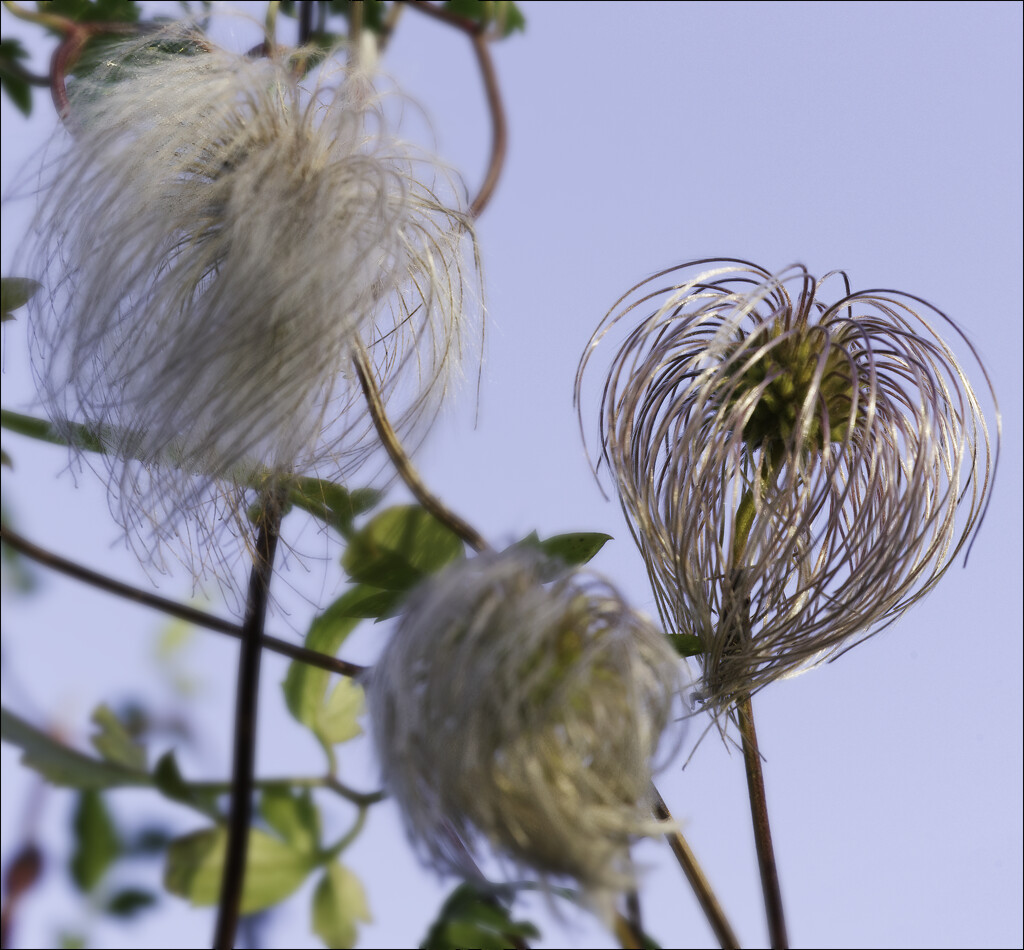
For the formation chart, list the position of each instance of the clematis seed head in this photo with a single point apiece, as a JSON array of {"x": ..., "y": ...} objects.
[
  {"x": 797, "y": 467},
  {"x": 525, "y": 711},
  {"x": 218, "y": 238}
]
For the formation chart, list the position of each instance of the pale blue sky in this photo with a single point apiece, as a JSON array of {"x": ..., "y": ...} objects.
[{"x": 881, "y": 138}]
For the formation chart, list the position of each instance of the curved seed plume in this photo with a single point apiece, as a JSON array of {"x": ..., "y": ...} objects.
[
  {"x": 796, "y": 469},
  {"x": 218, "y": 238},
  {"x": 525, "y": 713}
]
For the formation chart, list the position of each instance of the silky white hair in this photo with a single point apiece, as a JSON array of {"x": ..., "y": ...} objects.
[
  {"x": 217, "y": 241},
  {"x": 526, "y": 711}
]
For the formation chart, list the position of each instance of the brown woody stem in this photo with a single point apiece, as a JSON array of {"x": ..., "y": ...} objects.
[
  {"x": 401, "y": 461},
  {"x": 762, "y": 828},
  {"x": 695, "y": 875}
]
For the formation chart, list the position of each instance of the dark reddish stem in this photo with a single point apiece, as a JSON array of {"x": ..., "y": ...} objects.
[
  {"x": 190, "y": 614},
  {"x": 477, "y": 33},
  {"x": 244, "y": 763}
]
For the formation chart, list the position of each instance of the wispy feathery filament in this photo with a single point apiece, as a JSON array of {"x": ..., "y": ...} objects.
[
  {"x": 218, "y": 237},
  {"x": 796, "y": 471},
  {"x": 526, "y": 713}
]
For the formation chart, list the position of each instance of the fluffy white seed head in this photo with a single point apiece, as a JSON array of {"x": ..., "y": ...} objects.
[
  {"x": 797, "y": 470},
  {"x": 525, "y": 711},
  {"x": 217, "y": 239}
]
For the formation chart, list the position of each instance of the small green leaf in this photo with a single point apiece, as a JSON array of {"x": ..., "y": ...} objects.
[
  {"x": 14, "y": 83},
  {"x": 15, "y": 292},
  {"x": 472, "y": 918},
  {"x": 504, "y": 14},
  {"x": 294, "y": 817},
  {"x": 332, "y": 504},
  {"x": 273, "y": 871},
  {"x": 96, "y": 841},
  {"x": 686, "y": 644},
  {"x": 169, "y": 781},
  {"x": 305, "y": 686},
  {"x": 129, "y": 901},
  {"x": 399, "y": 548},
  {"x": 366, "y": 601},
  {"x": 115, "y": 743},
  {"x": 576, "y": 548},
  {"x": 5, "y": 459},
  {"x": 337, "y": 720},
  {"x": 339, "y": 903},
  {"x": 62, "y": 765}
]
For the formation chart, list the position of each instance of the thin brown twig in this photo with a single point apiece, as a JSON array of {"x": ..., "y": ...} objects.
[
  {"x": 190, "y": 614},
  {"x": 67, "y": 52},
  {"x": 243, "y": 769},
  {"x": 401, "y": 461},
  {"x": 477, "y": 33},
  {"x": 762, "y": 828},
  {"x": 695, "y": 875},
  {"x": 627, "y": 935}
]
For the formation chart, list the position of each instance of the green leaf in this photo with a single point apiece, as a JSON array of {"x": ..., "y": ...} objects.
[
  {"x": 570, "y": 549},
  {"x": 14, "y": 83},
  {"x": 305, "y": 686},
  {"x": 686, "y": 644},
  {"x": 96, "y": 841},
  {"x": 15, "y": 292},
  {"x": 332, "y": 504},
  {"x": 399, "y": 547},
  {"x": 506, "y": 16},
  {"x": 294, "y": 817},
  {"x": 115, "y": 743},
  {"x": 576, "y": 548},
  {"x": 62, "y": 765},
  {"x": 472, "y": 918},
  {"x": 339, "y": 903},
  {"x": 273, "y": 871},
  {"x": 81, "y": 436},
  {"x": 169, "y": 781},
  {"x": 129, "y": 901},
  {"x": 337, "y": 720},
  {"x": 366, "y": 601}
]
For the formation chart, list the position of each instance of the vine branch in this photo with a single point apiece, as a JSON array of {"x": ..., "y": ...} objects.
[
  {"x": 401, "y": 461},
  {"x": 477, "y": 33},
  {"x": 189, "y": 614},
  {"x": 695, "y": 875}
]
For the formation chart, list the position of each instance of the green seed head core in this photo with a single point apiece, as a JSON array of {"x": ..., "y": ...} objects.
[{"x": 805, "y": 382}]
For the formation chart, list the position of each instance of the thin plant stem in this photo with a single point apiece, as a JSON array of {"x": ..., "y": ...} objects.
[
  {"x": 695, "y": 875},
  {"x": 190, "y": 614},
  {"x": 499, "y": 126},
  {"x": 752, "y": 760},
  {"x": 627, "y": 934},
  {"x": 477, "y": 33},
  {"x": 401, "y": 460},
  {"x": 359, "y": 799},
  {"x": 762, "y": 828},
  {"x": 243, "y": 766}
]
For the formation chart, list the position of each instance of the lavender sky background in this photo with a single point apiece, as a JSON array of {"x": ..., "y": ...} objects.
[{"x": 881, "y": 138}]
